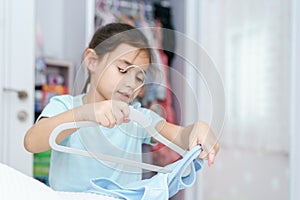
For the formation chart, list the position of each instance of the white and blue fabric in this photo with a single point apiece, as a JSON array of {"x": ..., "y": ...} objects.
[{"x": 161, "y": 186}]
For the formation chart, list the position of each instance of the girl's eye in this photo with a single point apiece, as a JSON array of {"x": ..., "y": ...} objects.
[
  {"x": 139, "y": 78},
  {"x": 122, "y": 70}
]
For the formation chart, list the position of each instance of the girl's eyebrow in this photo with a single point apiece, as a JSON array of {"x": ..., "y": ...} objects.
[{"x": 126, "y": 62}]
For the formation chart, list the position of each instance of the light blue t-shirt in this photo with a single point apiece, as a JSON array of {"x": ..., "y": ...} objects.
[{"x": 70, "y": 172}]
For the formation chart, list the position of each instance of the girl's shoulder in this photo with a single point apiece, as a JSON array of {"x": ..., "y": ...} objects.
[
  {"x": 64, "y": 97},
  {"x": 150, "y": 114},
  {"x": 67, "y": 100}
]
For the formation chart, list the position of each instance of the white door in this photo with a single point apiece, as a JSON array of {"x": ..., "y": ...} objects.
[{"x": 16, "y": 81}]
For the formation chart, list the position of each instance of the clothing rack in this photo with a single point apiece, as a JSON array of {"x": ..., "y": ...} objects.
[{"x": 134, "y": 5}]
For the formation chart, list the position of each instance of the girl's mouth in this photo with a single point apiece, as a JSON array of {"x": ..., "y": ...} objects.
[{"x": 124, "y": 96}]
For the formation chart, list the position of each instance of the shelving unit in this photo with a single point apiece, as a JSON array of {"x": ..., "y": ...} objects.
[
  {"x": 60, "y": 67},
  {"x": 54, "y": 77}
]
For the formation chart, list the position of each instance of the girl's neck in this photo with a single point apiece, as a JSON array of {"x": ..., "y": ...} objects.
[{"x": 90, "y": 97}]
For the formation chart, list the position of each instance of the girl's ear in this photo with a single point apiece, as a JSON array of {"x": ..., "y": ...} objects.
[{"x": 91, "y": 59}]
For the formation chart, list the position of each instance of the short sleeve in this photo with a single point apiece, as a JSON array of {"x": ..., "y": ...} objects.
[
  {"x": 57, "y": 105},
  {"x": 153, "y": 117}
]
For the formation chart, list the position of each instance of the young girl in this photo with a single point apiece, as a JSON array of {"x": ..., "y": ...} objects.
[{"x": 118, "y": 57}]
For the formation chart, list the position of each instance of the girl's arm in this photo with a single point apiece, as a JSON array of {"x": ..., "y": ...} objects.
[
  {"x": 106, "y": 113},
  {"x": 37, "y": 137},
  {"x": 188, "y": 137}
]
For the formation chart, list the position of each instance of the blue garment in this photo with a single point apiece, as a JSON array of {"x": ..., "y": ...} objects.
[
  {"x": 72, "y": 173},
  {"x": 161, "y": 186}
]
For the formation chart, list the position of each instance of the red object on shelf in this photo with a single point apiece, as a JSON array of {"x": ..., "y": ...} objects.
[{"x": 53, "y": 90}]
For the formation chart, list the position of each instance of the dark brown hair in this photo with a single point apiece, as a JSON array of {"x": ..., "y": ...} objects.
[{"x": 109, "y": 37}]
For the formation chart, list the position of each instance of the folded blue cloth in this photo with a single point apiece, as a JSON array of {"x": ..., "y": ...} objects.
[{"x": 161, "y": 186}]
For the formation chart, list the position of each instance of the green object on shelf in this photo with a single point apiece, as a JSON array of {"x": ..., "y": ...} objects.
[{"x": 41, "y": 164}]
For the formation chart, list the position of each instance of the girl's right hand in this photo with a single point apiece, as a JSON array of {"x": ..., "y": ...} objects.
[{"x": 108, "y": 113}]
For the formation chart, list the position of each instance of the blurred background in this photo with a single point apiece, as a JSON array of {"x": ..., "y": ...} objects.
[{"x": 234, "y": 64}]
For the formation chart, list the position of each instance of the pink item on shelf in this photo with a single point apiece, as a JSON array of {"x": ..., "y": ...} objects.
[{"x": 55, "y": 79}]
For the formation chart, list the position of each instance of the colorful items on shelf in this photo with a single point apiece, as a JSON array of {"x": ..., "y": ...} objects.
[{"x": 53, "y": 90}]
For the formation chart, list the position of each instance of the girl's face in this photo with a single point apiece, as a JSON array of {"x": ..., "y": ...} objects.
[{"x": 113, "y": 81}]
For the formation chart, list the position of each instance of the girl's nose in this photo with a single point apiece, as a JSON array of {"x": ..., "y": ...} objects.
[
  {"x": 130, "y": 79},
  {"x": 134, "y": 77}
]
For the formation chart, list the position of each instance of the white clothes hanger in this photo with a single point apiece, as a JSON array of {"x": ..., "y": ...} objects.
[{"x": 134, "y": 115}]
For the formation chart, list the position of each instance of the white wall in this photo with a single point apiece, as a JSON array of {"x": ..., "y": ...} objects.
[
  {"x": 50, "y": 20},
  {"x": 233, "y": 173},
  {"x": 295, "y": 107},
  {"x": 62, "y": 24}
]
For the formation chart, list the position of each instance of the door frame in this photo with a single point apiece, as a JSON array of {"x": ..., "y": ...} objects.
[
  {"x": 295, "y": 107},
  {"x": 17, "y": 57}
]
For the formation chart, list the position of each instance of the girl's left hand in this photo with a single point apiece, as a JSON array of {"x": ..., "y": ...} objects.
[{"x": 202, "y": 134}]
